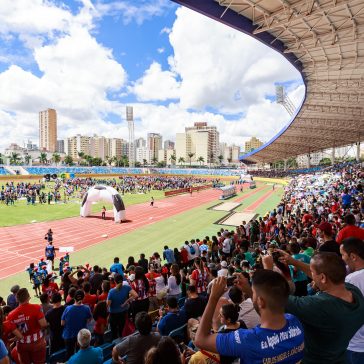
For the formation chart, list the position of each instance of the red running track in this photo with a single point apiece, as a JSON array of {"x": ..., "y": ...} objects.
[{"x": 22, "y": 244}]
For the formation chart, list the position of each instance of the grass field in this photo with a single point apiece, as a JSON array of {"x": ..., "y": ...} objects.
[{"x": 173, "y": 231}]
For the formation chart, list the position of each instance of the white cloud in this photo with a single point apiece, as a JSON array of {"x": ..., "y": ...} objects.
[
  {"x": 165, "y": 30},
  {"x": 160, "y": 50},
  {"x": 156, "y": 84}
]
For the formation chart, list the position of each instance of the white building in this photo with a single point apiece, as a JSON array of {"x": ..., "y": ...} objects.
[
  {"x": 143, "y": 154},
  {"x": 164, "y": 155}
]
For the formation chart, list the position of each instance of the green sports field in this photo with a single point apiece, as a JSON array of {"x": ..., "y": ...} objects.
[{"x": 173, "y": 231}]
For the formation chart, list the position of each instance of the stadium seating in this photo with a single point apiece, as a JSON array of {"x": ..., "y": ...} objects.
[
  {"x": 179, "y": 334},
  {"x": 3, "y": 171}
]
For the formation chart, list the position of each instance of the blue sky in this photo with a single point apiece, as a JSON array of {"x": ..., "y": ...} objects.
[{"x": 89, "y": 58}]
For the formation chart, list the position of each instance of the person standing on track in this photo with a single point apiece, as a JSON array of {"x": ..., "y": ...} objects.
[
  {"x": 103, "y": 213},
  {"x": 50, "y": 252},
  {"x": 49, "y": 235},
  {"x": 152, "y": 201}
]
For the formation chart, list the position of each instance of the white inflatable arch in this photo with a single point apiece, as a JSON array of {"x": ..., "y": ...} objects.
[{"x": 107, "y": 194}]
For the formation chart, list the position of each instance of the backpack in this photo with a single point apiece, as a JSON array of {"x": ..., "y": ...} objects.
[{"x": 192, "y": 250}]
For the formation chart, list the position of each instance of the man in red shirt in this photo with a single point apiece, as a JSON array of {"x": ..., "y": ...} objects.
[
  {"x": 29, "y": 320},
  {"x": 89, "y": 299},
  {"x": 350, "y": 230}
]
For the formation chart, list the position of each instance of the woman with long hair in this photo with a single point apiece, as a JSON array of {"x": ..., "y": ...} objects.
[
  {"x": 141, "y": 286},
  {"x": 199, "y": 277},
  {"x": 117, "y": 303},
  {"x": 166, "y": 352},
  {"x": 105, "y": 286},
  {"x": 101, "y": 316},
  {"x": 174, "y": 281}
]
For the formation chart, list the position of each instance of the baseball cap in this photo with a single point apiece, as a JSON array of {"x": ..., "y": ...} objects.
[
  {"x": 224, "y": 264},
  {"x": 326, "y": 227}
]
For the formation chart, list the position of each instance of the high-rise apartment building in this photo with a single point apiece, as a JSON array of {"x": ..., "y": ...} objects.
[
  {"x": 165, "y": 155},
  {"x": 252, "y": 144},
  {"x": 99, "y": 147},
  {"x": 116, "y": 147},
  {"x": 154, "y": 143},
  {"x": 77, "y": 144},
  {"x": 140, "y": 143},
  {"x": 144, "y": 155},
  {"x": 60, "y": 146},
  {"x": 201, "y": 140},
  {"x": 168, "y": 144},
  {"x": 48, "y": 130}
]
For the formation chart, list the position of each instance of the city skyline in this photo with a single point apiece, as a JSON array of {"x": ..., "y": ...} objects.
[{"x": 90, "y": 59}]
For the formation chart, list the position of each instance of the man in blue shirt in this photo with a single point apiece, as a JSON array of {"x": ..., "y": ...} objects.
[
  {"x": 117, "y": 267},
  {"x": 279, "y": 337},
  {"x": 168, "y": 255},
  {"x": 87, "y": 354},
  {"x": 173, "y": 319},
  {"x": 4, "y": 359}
]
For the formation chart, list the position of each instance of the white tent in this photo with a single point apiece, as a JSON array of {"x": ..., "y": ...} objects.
[{"x": 107, "y": 194}]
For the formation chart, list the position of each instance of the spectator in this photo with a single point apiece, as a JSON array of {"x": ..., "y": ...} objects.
[
  {"x": 136, "y": 346},
  {"x": 223, "y": 272},
  {"x": 328, "y": 244},
  {"x": 174, "y": 281},
  {"x": 143, "y": 262},
  {"x": 4, "y": 359},
  {"x": 350, "y": 230},
  {"x": 53, "y": 317},
  {"x": 270, "y": 294},
  {"x": 45, "y": 305},
  {"x": 199, "y": 277},
  {"x": 168, "y": 255},
  {"x": 96, "y": 280},
  {"x": 195, "y": 304},
  {"x": 339, "y": 307},
  {"x": 117, "y": 303},
  {"x": 105, "y": 290},
  {"x": 11, "y": 300},
  {"x": 173, "y": 319},
  {"x": 86, "y": 354},
  {"x": 74, "y": 318},
  {"x": 30, "y": 321},
  {"x": 352, "y": 251},
  {"x": 117, "y": 267},
  {"x": 166, "y": 352},
  {"x": 101, "y": 320},
  {"x": 141, "y": 286},
  {"x": 89, "y": 299}
]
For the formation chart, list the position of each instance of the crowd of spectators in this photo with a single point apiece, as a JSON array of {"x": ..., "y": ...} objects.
[{"x": 286, "y": 287}]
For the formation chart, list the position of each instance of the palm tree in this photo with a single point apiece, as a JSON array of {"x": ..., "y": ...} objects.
[
  {"x": 1, "y": 159},
  {"x": 220, "y": 158},
  {"x": 109, "y": 160},
  {"x": 56, "y": 158},
  {"x": 43, "y": 158},
  {"x": 200, "y": 160},
  {"x": 181, "y": 160},
  {"x": 81, "y": 155},
  {"x": 14, "y": 158},
  {"x": 27, "y": 158},
  {"x": 124, "y": 160},
  {"x": 145, "y": 162},
  {"x": 173, "y": 158},
  {"x": 87, "y": 158},
  {"x": 190, "y": 155},
  {"x": 154, "y": 160},
  {"x": 68, "y": 160},
  {"x": 229, "y": 160},
  {"x": 212, "y": 156}
]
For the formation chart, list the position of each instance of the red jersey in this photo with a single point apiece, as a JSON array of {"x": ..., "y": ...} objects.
[
  {"x": 90, "y": 300},
  {"x": 26, "y": 318},
  {"x": 184, "y": 256},
  {"x": 152, "y": 283},
  {"x": 201, "y": 280},
  {"x": 8, "y": 328},
  {"x": 139, "y": 287},
  {"x": 51, "y": 289},
  {"x": 100, "y": 325},
  {"x": 103, "y": 296}
]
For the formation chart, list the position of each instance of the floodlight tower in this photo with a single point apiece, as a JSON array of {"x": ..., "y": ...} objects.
[
  {"x": 283, "y": 99},
  {"x": 130, "y": 120}
]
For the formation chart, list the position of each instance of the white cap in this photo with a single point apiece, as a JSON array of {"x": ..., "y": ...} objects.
[
  {"x": 224, "y": 264},
  {"x": 132, "y": 277}
]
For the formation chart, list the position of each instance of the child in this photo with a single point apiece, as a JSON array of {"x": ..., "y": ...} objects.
[
  {"x": 30, "y": 271},
  {"x": 36, "y": 280},
  {"x": 101, "y": 317},
  {"x": 103, "y": 213}
]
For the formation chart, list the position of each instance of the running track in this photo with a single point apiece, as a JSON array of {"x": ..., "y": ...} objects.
[{"x": 22, "y": 244}]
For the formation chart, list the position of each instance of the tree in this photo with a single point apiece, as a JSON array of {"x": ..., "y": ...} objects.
[
  {"x": 138, "y": 164},
  {"x": 68, "y": 160},
  {"x": 325, "y": 162},
  {"x": 56, "y": 158},
  {"x": 220, "y": 158},
  {"x": 81, "y": 156},
  {"x": 154, "y": 160},
  {"x": 229, "y": 160},
  {"x": 200, "y": 160},
  {"x": 145, "y": 162},
  {"x": 14, "y": 158},
  {"x": 27, "y": 158},
  {"x": 181, "y": 160},
  {"x": 124, "y": 161},
  {"x": 109, "y": 160},
  {"x": 212, "y": 157},
  {"x": 43, "y": 158},
  {"x": 173, "y": 158},
  {"x": 161, "y": 164},
  {"x": 1, "y": 159},
  {"x": 190, "y": 155}
]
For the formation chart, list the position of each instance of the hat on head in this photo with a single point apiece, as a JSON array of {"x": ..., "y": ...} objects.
[
  {"x": 211, "y": 266},
  {"x": 224, "y": 264},
  {"x": 41, "y": 259},
  {"x": 132, "y": 277},
  {"x": 326, "y": 227},
  {"x": 35, "y": 268},
  {"x": 132, "y": 267},
  {"x": 165, "y": 270}
]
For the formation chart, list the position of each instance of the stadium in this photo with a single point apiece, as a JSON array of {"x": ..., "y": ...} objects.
[{"x": 152, "y": 265}]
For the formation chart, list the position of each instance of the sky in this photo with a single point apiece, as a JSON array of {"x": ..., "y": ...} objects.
[{"x": 88, "y": 59}]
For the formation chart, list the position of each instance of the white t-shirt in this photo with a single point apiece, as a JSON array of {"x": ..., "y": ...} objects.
[
  {"x": 197, "y": 249},
  {"x": 159, "y": 284},
  {"x": 357, "y": 342},
  {"x": 173, "y": 287},
  {"x": 226, "y": 246},
  {"x": 248, "y": 314}
]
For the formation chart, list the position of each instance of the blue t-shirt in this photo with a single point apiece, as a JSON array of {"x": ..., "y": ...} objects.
[
  {"x": 259, "y": 345},
  {"x": 117, "y": 298},
  {"x": 346, "y": 199},
  {"x": 3, "y": 350},
  {"x": 171, "y": 321},
  {"x": 169, "y": 256},
  {"x": 298, "y": 275},
  {"x": 117, "y": 268},
  {"x": 90, "y": 355},
  {"x": 76, "y": 318},
  {"x": 49, "y": 251}
]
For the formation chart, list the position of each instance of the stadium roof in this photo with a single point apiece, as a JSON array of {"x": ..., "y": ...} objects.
[{"x": 324, "y": 40}]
